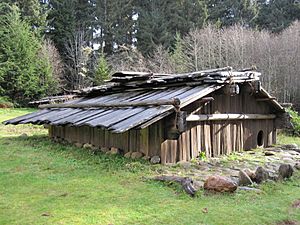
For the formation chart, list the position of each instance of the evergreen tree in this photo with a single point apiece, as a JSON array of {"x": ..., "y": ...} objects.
[
  {"x": 33, "y": 12},
  {"x": 276, "y": 15},
  {"x": 115, "y": 24},
  {"x": 159, "y": 21},
  {"x": 102, "y": 71},
  {"x": 230, "y": 12},
  {"x": 25, "y": 72}
]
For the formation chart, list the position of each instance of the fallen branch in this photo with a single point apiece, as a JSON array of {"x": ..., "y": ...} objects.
[{"x": 186, "y": 183}]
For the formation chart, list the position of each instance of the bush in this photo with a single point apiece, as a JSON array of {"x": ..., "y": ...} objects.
[
  {"x": 5, "y": 103},
  {"x": 295, "y": 121}
]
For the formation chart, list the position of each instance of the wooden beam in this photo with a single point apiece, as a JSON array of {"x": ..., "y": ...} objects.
[
  {"x": 265, "y": 99},
  {"x": 207, "y": 117},
  {"x": 174, "y": 101}
]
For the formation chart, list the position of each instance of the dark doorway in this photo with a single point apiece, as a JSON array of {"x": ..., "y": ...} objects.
[{"x": 260, "y": 138}]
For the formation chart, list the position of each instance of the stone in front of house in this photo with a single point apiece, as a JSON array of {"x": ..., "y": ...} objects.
[
  {"x": 244, "y": 179},
  {"x": 184, "y": 164},
  {"x": 289, "y": 146},
  {"x": 104, "y": 149},
  {"x": 87, "y": 145},
  {"x": 114, "y": 151},
  {"x": 219, "y": 184},
  {"x": 128, "y": 155},
  {"x": 268, "y": 153},
  {"x": 250, "y": 173},
  {"x": 155, "y": 159},
  {"x": 261, "y": 175},
  {"x": 285, "y": 171},
  {"x": 78, "y": 145},
  {"x": 136, "y": 155}
]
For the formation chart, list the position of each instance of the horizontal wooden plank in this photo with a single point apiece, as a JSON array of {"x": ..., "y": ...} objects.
[{"x": 206, "y": 117}]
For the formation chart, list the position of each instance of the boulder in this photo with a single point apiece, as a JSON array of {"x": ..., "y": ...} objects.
[
  {"x": 250, "y": 174},
  {"x": 87, "y": 145},
  {"x": 78, "y": 145},
  {"x": 297, "y": 166},
  {"x": 127, "y": 155},
  {"x": 261, "y": 175},
  {"x": 184, "y": 164},
  {"x": 285, "y": 171},
  {"x": 290, "y": 146},
  {"x": 114, "y": 151},
  {"x": 136, "y": 155},
  {"x": 268, "y": 153},
  {"x": 104, "y": 149},
  {"x": 244, "y": 179},
  {"x": 219, "y": 184},
  {"x": 155, "y": 159}
]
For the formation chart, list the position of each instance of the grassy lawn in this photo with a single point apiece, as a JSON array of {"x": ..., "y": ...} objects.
[{"x": 42, "y": 182}]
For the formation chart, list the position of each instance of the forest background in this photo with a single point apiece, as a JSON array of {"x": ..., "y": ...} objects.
[{"x": 50, "y": 47}]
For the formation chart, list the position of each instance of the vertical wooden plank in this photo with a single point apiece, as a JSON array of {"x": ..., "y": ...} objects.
[
  {"x": 164, "y": 152},
  {"x": 144, "y": 141}
]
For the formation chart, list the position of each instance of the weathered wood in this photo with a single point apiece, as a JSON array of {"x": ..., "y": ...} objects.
[
  {"x": 230, "y": 117},
  {"x": 264, "y": 99},
  {"x": 175, "y": 102},
  {"x": 187, "y": 183}
]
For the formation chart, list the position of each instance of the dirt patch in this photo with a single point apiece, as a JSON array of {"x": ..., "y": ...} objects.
[
  {"x": 288, "y": 222},
  {"x": 296, "y": 204}
]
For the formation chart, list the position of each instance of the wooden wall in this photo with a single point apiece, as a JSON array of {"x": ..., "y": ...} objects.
[
  {"x": 212, "y": 137},
  {"x": 147, "y": 140},
  {"x": 221, "y": 137}
]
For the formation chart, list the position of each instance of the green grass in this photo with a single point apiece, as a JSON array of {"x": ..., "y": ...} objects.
[{"x": 71, "y": 186}]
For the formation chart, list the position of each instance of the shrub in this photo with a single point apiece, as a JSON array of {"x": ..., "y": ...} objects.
[
  {"x": 5, "y": 103},
  {"x": 295, "y": 121}
]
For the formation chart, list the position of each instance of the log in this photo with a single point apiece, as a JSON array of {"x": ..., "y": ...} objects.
[
  {"x": 175, "y": 102},
  {"x": 265, "y": 99},
  {"x": 186, "y": 183},
  {"x": 208, "y": 117}
]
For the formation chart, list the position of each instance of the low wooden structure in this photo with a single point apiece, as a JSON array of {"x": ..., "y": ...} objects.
[{"x": 174, "y": 116}]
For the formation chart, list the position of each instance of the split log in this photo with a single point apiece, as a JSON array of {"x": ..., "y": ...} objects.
[
  {"x": 175, "y": 102},
  {"x": 186, "y": 183},
  {"x": 208, "y": 117}
]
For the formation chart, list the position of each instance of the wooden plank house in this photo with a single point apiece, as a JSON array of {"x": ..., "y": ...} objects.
[{"x": 174, "y": 116}]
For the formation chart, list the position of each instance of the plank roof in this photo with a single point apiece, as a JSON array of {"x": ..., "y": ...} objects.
[{"x": 133, "y": 87}]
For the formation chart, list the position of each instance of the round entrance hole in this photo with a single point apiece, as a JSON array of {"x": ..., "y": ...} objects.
[{"x": 260, "y": 138}]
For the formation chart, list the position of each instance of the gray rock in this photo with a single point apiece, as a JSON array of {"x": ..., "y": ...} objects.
[
  {"x": 87, "y": 145},
  {"x": 244, "y": 179},
  {"x": 155, "y": 159},
  {"x": 136, "y": 155},
  {"x": 285, "y": 171},
  {"x": 250, "y": 173},
  {"x": 78, "y": 145},
  {"x": 290, "y": 146},
  {"x": 127, "y": 155},
  {"x": 297, "y": 166},
  {"x": 104, "y": 149},
  {"x": 114, "y": 151},
  {"x": 261, "y": 175},
  {"x": 198, "y": 184},
  {"x": 268, "y": 153},
  {"x": 184, "y": 164}
]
